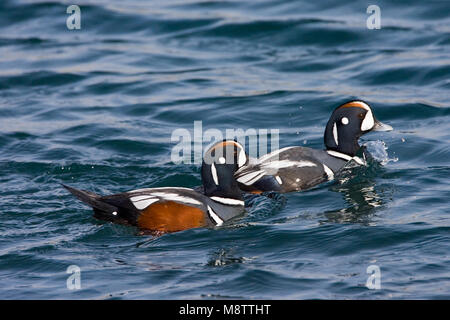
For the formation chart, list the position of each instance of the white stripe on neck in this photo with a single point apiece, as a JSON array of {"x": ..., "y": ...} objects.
[
  {"x": 329, "y": 172},
  {"x": 335, "y": 134},
  {"x": 344, "y": 156},
  {"x": 339, "y": 155},
  {"x": 229, "y": 201},
  {"x": 214, "y": 174}
]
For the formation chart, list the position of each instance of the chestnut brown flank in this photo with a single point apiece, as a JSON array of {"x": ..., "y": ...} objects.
[{"x": 170, "y": 216}]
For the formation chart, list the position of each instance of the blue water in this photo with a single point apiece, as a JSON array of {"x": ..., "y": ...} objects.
[{"x": 95, "y": 108}]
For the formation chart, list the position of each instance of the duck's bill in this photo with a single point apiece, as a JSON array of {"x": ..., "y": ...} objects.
[{"x": 380, "y": 126}]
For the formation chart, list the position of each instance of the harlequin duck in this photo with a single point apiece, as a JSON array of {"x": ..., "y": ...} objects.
[
  {"x": 299, "y": 168},
  {"x": 174, "y": 209}
]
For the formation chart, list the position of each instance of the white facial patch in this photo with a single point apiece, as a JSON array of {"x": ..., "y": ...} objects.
[
  {"x": 214, "y": 174},
  {"x": 335, "y": 134},
  {"x": 344, "y": 120},
  {"x": 222, "y": 160},
  {"x": 242, "y": 157},
  {"x": 368, "y": 121}
]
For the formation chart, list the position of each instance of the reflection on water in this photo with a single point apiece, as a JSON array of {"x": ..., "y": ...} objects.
[
  {"x": 264, "y": 205},
  {"x": 225, "y": 256},
  {"x": 362, "y": 194}
]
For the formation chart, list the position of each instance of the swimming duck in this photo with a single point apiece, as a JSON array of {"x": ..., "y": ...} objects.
[
  {"x": 299, "y": 168},
  {"x": 171, "y": 209}
]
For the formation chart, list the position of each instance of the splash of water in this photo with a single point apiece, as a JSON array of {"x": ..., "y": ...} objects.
[{"x": 378, "y": 150}]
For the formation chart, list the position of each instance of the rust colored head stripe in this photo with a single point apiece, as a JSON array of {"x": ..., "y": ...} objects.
[
  {"x": 226, "y": 143},
  {"x": 356, "y": 104}
]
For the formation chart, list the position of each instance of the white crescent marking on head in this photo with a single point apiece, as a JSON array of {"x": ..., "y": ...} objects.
[
  {"x": 242, "y": 158},
  {"x": 214, "y": 174},
  {"x": 335, "y": 134},
  {"x": 368, "y": 121}
]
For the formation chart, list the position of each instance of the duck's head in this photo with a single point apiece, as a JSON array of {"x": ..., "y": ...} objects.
[
  {"x": 347, "y": 124},
  {"x": 220, "y": 163}
]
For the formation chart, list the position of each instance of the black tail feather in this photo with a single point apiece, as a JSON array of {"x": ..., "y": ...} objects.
[{"x": 91, "y": 199}]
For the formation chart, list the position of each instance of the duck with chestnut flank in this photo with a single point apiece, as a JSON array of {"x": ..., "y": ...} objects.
[{"x": 175, "y": 208}]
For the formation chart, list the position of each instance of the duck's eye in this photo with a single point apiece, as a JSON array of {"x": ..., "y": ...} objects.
[
  {"x": 344, "y": 120},
  {"x": 361, "y": 115}
]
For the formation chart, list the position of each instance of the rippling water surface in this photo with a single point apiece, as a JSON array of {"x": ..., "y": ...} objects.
[{"x": 95, "y": 108}]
